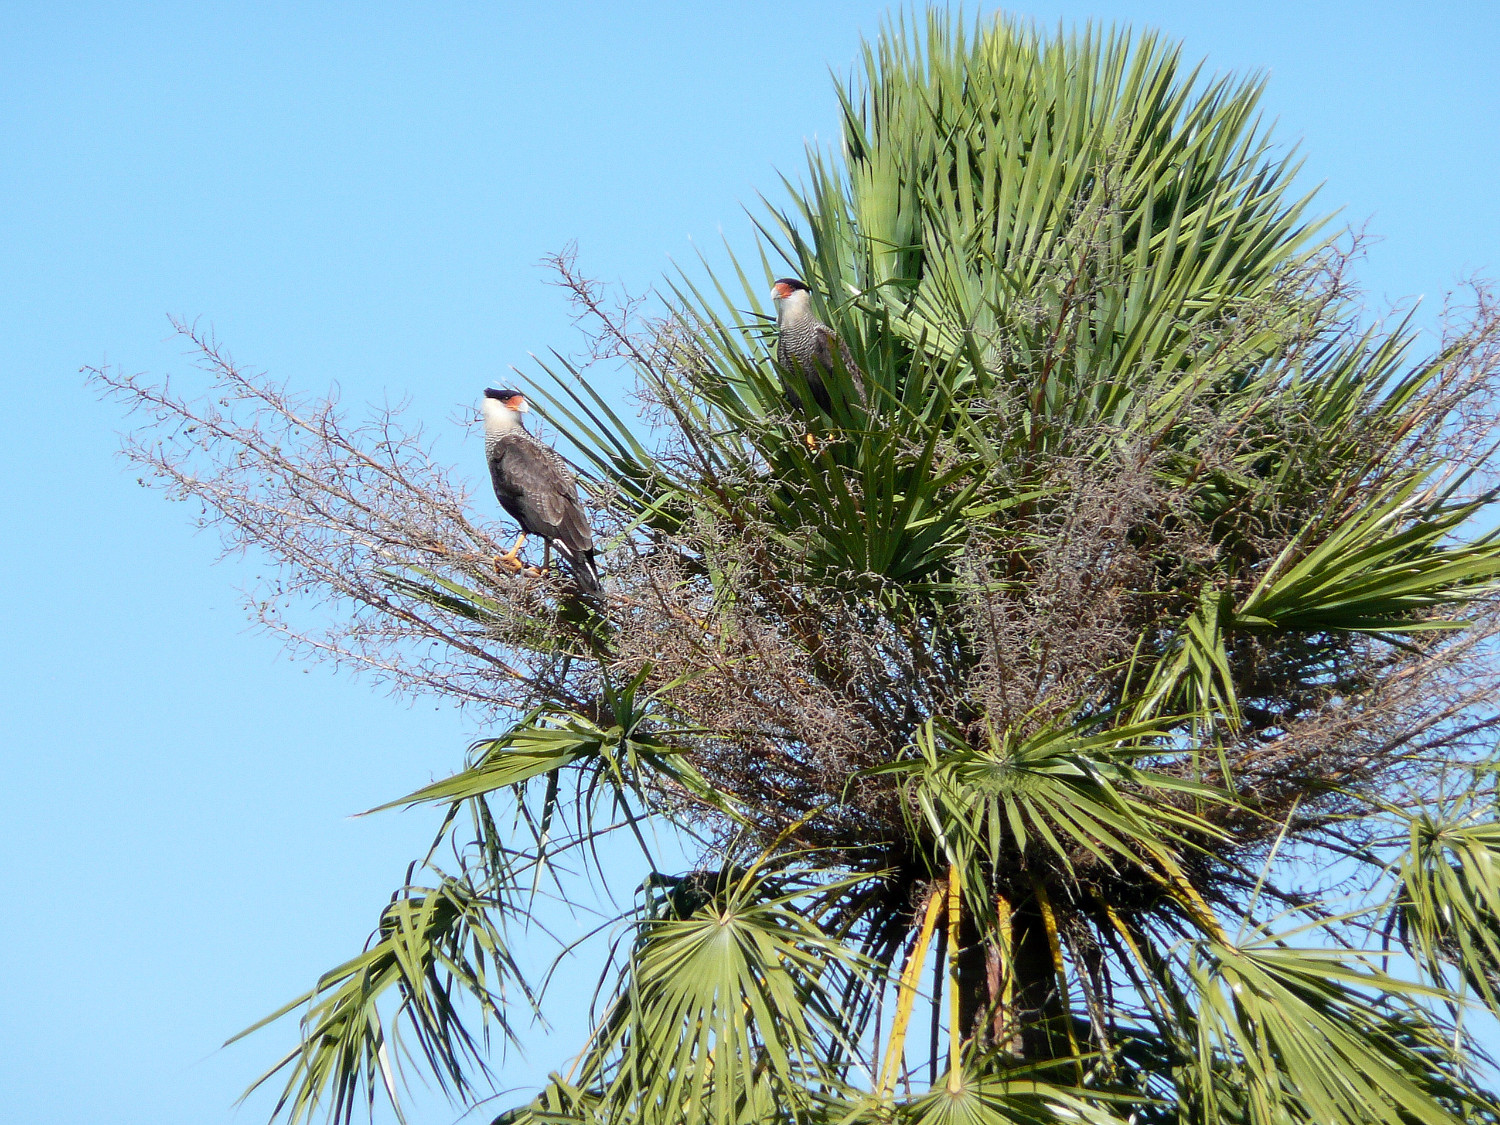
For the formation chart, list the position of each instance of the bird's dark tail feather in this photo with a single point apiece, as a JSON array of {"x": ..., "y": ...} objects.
[{"x": 585, "y": 571}]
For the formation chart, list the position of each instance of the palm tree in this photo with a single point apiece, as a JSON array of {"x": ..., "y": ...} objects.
[{"x": 1094, "y": 722}]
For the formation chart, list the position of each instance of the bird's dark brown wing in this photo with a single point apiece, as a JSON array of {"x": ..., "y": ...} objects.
[
  {"x": 823, "y": 352},
  {"x": 534, "y": 485}
]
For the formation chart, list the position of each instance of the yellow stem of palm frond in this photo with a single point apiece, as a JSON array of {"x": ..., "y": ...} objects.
[
  {"x": 1135, "y": 951},
  {"x": 1054, "y": 942},
  {"x": 1187, "y": 894},
  {"x": 955, "y": 1031},
  {"x": 1005, "y": 931},
  {"x": 906, "y": 997}
]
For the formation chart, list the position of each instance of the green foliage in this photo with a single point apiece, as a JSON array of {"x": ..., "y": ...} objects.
[
  {"x": 1060, "y": 791},
  {"x": 723, "y": 1009},
  {"x": 1448, "y": 892},
  {"x": 1308, "y": 1042},
  {"x": 433, "y": 946}
]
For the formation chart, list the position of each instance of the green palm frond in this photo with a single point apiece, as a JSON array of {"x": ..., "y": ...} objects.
[
  {"x": 999, "y": 187},
  {"x": 1193, "y": 676},
  {"x": 436, "y": 949},
  {"x": 1070, "y": 792},
  {"x": 633, "y": 749},
  {"x": 1447, "y": 908},
  {"x": 964, "y": 1098},
  {"x": 1384, "y": 568},
  {"x": 726, "y": 1008},
  {"x": 1310, "y": 1042}
]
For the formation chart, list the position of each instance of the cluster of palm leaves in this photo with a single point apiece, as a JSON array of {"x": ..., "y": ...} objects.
[{"x": 1090, "y": 721}]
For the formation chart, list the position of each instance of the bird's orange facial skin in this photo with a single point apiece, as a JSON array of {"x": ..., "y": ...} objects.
[
  {"x": 781, "y": 291},
  {"x": 517, "y": 403}
]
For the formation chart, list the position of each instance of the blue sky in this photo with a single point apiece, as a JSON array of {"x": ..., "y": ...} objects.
[{"x": 362, "y": 199}]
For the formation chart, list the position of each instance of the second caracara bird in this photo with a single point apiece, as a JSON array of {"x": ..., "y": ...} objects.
[
  {"x": 806, "y": 345},
  {"x": 537, "y": 487}
]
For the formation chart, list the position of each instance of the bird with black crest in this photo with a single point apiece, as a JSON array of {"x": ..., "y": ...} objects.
[
  {"x": 537, "y": 488},
  {"x": 806, "y": 346}
]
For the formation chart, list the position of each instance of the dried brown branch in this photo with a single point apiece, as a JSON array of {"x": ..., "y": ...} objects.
[{"x": 358, "y": 516}]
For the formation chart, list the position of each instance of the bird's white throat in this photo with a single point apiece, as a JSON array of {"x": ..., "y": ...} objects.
[
  {"x": 499, "y": 418},
  {"x": 794, "y": 307}
]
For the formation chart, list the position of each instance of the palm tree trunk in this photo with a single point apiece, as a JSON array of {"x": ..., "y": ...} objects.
[{"x": 1012, "y": 1002}]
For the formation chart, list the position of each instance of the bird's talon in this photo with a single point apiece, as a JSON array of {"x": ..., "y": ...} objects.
[{"x": 510, "y": 562}]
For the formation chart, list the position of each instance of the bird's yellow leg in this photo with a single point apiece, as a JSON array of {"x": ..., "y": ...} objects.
[
  {"x": 812, "y": 443},
  {"x": 537, "y": 572},
  {"x": 510, "y": 562}
]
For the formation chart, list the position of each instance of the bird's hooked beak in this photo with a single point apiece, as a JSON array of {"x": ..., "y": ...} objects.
[{"x": 780, "y": 291}]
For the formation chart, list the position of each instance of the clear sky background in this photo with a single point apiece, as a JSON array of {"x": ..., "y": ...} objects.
[{"x": 359, "y": 194}]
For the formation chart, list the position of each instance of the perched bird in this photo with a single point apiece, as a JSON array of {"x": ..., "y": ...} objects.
[
  {"x": 806, "y": 345},
  {"x": 537, "y": 487}
]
